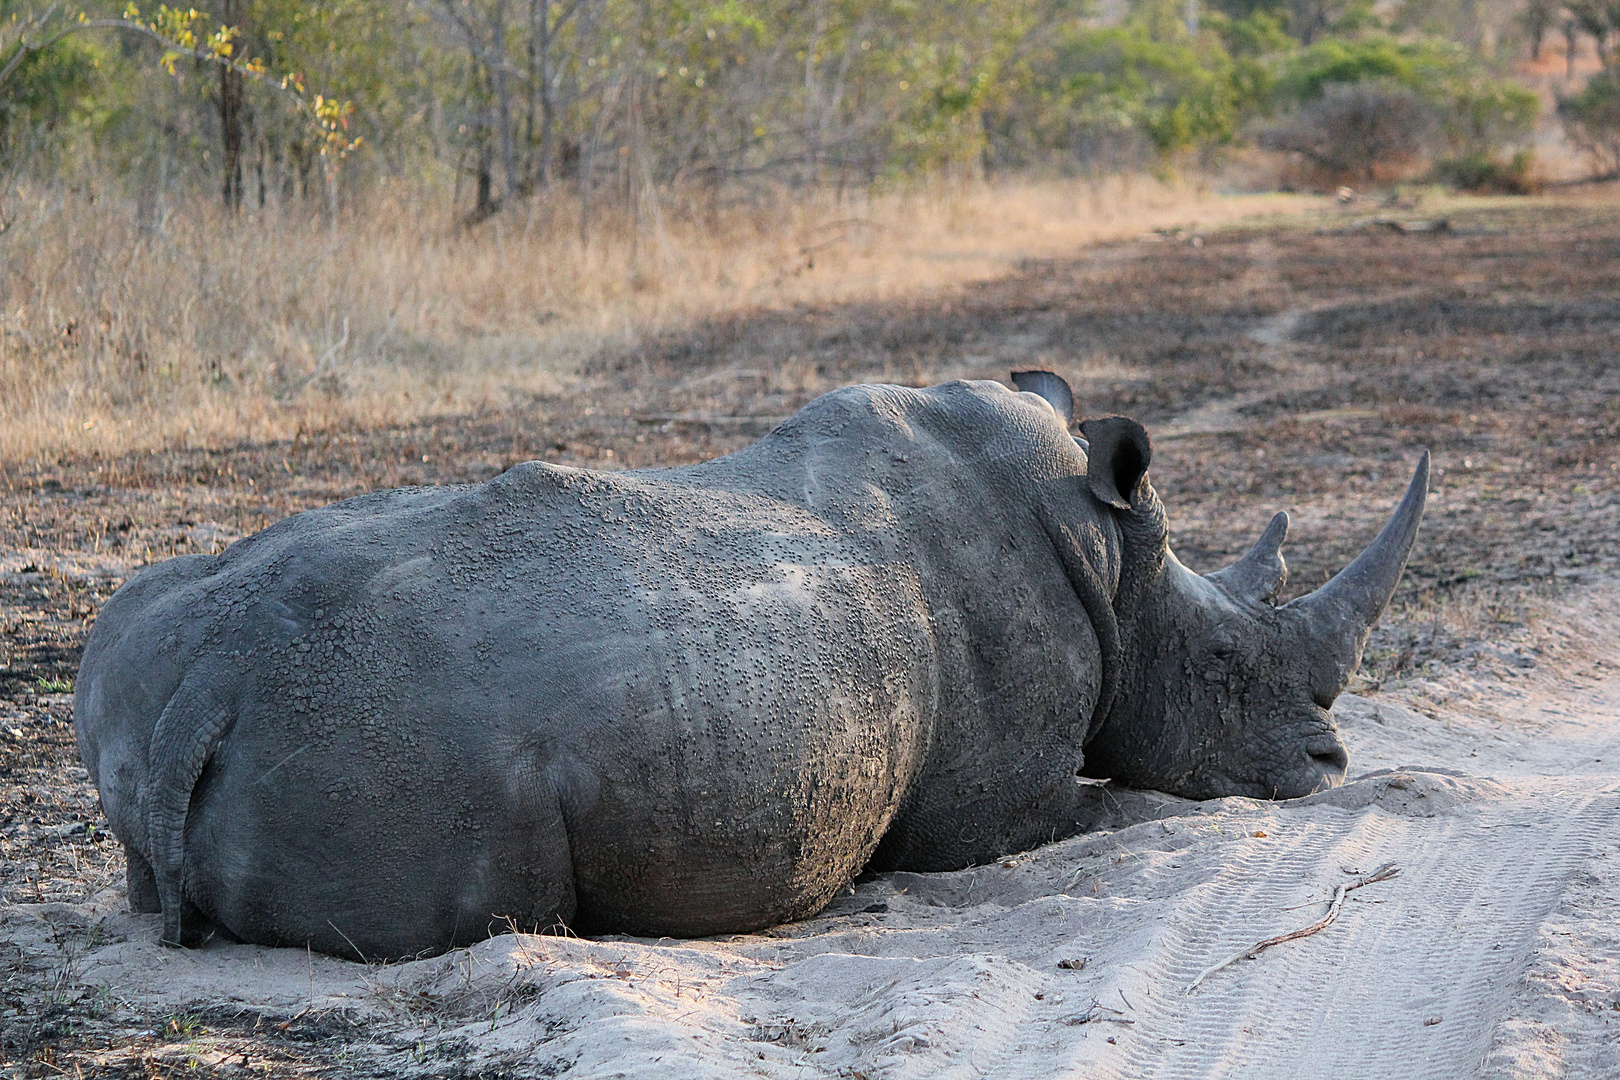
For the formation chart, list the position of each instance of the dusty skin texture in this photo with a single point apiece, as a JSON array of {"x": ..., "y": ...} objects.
[{"x": 1254, "y": 352}]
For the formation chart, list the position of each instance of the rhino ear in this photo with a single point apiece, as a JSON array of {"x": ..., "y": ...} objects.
[
  {"x": 1046, "y": 385},
  {"x": 1259, "y": 574},
  {"x": 1118, "y": 458}
]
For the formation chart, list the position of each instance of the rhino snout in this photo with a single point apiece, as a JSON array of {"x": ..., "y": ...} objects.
[
  {"x": 1323, "y": 767},
  {"x": 1330, "y": 754}
]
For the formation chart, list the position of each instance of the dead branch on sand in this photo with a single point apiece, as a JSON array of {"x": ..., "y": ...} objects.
[
  {"x": 1383, "y": 873},
  {"x": 1098, "y": 1012}
]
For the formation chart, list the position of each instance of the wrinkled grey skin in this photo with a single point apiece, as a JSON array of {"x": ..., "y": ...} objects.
[{"x": 695, "y": 700}]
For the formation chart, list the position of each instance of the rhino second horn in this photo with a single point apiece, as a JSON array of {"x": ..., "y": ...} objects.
[
  {"x": 1341, "y": 612},
  {"x": 1261, "y": 572},
  {"x": 1053, "y": 388}
]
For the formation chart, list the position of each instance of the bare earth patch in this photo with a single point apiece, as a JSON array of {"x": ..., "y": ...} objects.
[{"x": 1296, "y": 368}]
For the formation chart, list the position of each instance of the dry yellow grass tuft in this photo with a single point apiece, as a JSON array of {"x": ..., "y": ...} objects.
[{"x": 206, "y": 329}]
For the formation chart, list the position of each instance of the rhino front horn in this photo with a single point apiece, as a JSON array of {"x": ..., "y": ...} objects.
[{"x": 1340, "y": 613}]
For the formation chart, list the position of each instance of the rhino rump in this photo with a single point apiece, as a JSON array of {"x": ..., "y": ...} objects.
[{"x": 424, "y": 739}]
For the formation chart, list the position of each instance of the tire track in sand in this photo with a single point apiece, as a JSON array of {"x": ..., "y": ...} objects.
[{"x": 1412, "y": 978}]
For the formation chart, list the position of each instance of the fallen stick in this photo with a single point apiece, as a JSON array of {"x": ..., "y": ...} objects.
[
  {"x": 1095, "y": 1013},
  {"x": 1383, "y": 873}
]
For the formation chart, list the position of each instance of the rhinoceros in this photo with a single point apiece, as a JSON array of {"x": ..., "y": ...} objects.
[{"x": 698, "y": 700}]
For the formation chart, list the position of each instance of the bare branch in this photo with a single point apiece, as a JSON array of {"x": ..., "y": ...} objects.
[{"x": 1383, "y": 873}]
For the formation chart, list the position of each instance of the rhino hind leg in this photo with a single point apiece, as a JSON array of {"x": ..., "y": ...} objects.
[
  {"x": 142, "y": 883},
  {"x": 446, "y": 888},
  {"x": 144, "y": 899},
  {"x": 533, "y": 892},
  {"x": 197, "y": 928}
]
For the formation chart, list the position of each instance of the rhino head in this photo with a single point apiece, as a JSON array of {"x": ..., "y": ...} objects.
[{"x": 1219, "y": 690}]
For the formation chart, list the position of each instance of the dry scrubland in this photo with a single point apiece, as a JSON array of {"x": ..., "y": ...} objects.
[
  {"x": 1297, "y": 362},
  {"x": 212, "y": 328}
]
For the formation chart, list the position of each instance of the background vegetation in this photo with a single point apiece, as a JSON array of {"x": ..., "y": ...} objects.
[
  {"x": 507, "y": 100},
  {"x": 274, "y": 212}
]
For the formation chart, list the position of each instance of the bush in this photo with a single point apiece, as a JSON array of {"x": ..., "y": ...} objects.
[
  {"x": 1378, "y": 108},
  {"x": 1306, "y": 75},
  {"x": 1166, "y": 91},
  {"x": 1475, "y": 112},
  {"x": 1482, "y": 116},
  {"x": 1592, "y": 118},
  {"x": 1359, "y": 132},
  {"x": 46, "y": 89},
  {"x": 1488, "y": 175},
  {"x": 1117, "y": 97}
]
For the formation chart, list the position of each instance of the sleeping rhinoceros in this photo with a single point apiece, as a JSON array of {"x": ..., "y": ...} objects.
[{"x": 697, "y": 700}]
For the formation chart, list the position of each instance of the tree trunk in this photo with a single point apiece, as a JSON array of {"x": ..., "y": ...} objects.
[
  {"x": 230, "y": 130},
  {"x": 540, "y": 88},
  {"x": 500, "y": 84},
  {"x": 230, "y": 121},
  {"x": 486, "y": 204}
]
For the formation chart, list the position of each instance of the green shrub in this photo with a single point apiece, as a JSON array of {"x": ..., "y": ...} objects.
[
  {"x": 1477, "y": 112},
  {"x": 1258, "y": 34},
  {"x": 1412, "y": 100},
  {"x": 1121, "y": 79},
  {"x": 1486, "y": 174},
  {"x": 1483, "y": 115},
  {"x": 1306, "y": 75},
  {"x": 1592, "y": 118},
  {"x": 1118, "y": 97},
  {"x": 1358, "y": 132},
  {"x": 47, "y": 89}
]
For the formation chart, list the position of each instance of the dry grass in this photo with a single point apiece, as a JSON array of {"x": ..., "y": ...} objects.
[{"x": 205, "y": 329}]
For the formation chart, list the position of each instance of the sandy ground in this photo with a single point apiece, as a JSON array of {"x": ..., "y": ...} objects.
[
  {"x": 1495, "y": 950},
  {"x": 1294, "y": 368}
]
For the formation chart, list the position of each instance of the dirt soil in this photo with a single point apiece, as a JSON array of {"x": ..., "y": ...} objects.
[{"x": 1292, "y": 366}]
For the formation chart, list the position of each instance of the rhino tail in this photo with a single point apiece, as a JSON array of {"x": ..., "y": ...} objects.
[{"x": 185, "y": 739}]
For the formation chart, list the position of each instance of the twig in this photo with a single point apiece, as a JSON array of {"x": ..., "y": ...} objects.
[
  {"x": 708, "y": 418},
  {"x": 352, "y": 945},
  {"x": 1096, "y": 1013},
  {"x": 26, "y": 48},
  {"x": 1383, "y": 873},
  {"x": 327, "y": 359}
]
